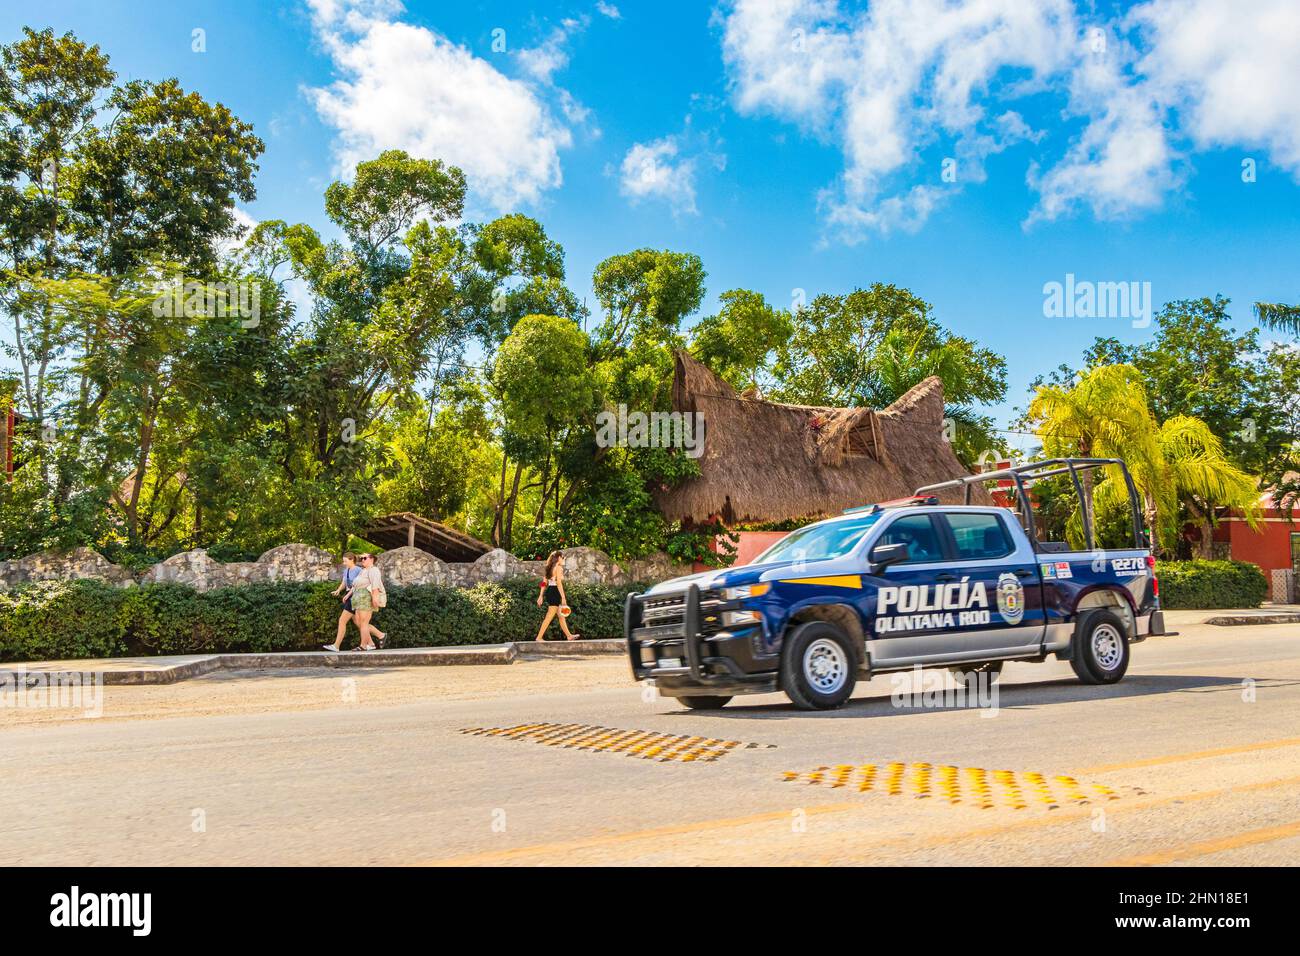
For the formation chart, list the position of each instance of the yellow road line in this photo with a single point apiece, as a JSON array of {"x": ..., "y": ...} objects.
[
  {"x": 502, "y": 856},
  {"x": 1206, "y": 847},
  {"x": 1194, "y": 755},
  {"x": 705, "y": 826}
]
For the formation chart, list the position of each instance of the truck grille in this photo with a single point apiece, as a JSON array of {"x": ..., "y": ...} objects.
[{"x": 662, "y": 616}]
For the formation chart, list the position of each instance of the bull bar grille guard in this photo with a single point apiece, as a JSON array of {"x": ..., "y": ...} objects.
[{"x": 689, "y": 606}]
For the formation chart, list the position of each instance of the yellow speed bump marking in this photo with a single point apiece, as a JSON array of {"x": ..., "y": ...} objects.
[
  {"x": 645, "y": 744},
  {"x": 972, "y": 786}
]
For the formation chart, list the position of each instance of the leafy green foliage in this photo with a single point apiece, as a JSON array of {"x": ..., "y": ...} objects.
[
  {"x": 89, "y": 619},
  {"x": 1210, "y": 584},
  {"x": 62, "y": 620}
]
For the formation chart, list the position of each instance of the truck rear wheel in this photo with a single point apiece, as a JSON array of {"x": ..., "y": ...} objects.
[
  {"x": 1101, "y": 649},
  {"x": 696, "y": 702},
  {"x": 818, "y": 666}
]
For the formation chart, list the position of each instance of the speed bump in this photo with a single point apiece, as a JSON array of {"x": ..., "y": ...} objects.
[
  {"x": 632, "y": 743},
  {"x": 966, "y": 786},
  {"x": 645, "y": 744}
]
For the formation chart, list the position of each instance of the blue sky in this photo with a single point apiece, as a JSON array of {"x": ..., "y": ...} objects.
[{"x": 794, "y": 144}]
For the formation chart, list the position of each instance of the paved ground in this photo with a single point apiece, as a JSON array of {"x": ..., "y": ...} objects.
[{"x": 1194, "y": 758}]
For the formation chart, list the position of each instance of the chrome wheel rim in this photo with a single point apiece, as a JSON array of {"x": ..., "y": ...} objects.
[
  {"x": 825, "y": 666},
  {"x": 1107, "y": 646}
]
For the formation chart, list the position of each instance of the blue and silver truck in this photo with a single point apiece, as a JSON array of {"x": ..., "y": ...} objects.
[{"x": 890, "y": 586}]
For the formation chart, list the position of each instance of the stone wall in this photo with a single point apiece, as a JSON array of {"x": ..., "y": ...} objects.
[{"x": 302, "y": 562}]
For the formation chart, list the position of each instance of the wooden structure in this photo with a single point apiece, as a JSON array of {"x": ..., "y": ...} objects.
[{"x": 409, "y": 530}]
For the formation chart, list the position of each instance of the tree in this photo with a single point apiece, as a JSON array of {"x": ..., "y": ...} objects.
[
  {"x": 645, "y": 294},
  {"x": 104, "y": 190},
  {"x": 739, "y": 341},
  {"x": 867, "y": 348},
  {"x": 548, "y": 397},
  {"x": 1105, "y": 413},
  {"x": 1278, "y": 316}
]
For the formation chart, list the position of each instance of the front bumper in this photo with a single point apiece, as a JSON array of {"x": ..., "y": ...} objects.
[{"x": 676, "y": 639}]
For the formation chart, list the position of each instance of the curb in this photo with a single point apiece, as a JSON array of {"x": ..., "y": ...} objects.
[
  {"x": 179, "y": 669},
  {"x": 1238, "y": 620},
  {"x": 592, "y": 648}
]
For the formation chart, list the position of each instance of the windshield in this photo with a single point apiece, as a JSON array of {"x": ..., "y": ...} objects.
[{"x": 816, "y": 542}]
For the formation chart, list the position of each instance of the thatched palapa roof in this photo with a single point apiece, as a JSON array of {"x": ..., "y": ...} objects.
[{"x": 767, "y": 461}]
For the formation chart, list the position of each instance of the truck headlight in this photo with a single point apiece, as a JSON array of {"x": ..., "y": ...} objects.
[{"x": 745, "y": 591}]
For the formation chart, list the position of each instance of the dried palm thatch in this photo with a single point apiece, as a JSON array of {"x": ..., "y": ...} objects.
[{"x": 767, "y": 461}]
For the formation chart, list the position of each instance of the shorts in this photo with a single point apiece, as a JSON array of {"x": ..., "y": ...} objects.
[
  {"x": 552, "y": 596},
  {"x": 361, "y": 600}
]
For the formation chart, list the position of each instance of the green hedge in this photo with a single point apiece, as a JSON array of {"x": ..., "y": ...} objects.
[
  {"x": 61, "y": 620},
  {"x": 1210, "y": 584}
]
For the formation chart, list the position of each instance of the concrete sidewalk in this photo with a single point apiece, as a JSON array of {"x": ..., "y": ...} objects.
[{"x": 169, "y": 670}]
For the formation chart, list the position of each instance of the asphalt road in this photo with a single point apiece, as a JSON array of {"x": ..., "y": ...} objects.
[{"x": 1193, "y": 758}]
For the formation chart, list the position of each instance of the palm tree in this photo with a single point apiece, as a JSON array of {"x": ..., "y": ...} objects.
[
  {"x": 1203, "y": 478},
  {"x": 1105, "y": 414},
  {"x": 1278, "y": 317}
]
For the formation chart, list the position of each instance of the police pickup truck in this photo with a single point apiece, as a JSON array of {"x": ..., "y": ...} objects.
[{"x": 891, "y": 586}]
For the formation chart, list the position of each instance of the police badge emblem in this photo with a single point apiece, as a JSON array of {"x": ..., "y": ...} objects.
[{"x": 1011, "y": 598}]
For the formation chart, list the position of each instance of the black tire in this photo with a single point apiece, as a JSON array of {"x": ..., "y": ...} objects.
[
  {"x": 695, "y": 702},
  {"x": 963, "y": 672},
  {"x": 818, "y": 647},
  {"x": 1100, "y": 653}
]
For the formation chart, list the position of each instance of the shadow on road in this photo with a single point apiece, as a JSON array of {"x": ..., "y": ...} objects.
[{"x": 1009, "y": 696}]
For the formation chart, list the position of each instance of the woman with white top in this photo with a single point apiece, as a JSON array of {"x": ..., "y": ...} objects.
[{"x": 368, "y": 595}]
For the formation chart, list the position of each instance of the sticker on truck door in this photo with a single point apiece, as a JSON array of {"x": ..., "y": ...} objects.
[{"x": 1011, "y": 598}]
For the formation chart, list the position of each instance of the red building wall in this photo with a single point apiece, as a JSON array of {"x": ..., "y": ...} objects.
[{"x": 1270, "y": 547}]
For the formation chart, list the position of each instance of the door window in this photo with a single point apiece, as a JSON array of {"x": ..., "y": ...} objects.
[
  {"x": 919, "y": 534},
  {"x": 980, "y": 537}
]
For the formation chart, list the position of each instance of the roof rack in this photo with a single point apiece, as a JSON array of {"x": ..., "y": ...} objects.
[
  {"x": 911, "y": 501},
  {"x": 1036, "y": 470}
]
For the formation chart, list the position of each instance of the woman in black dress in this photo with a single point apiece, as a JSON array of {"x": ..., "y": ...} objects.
[{"x": 552, "y": 592}]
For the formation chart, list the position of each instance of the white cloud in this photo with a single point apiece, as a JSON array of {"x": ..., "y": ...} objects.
[
  {"x": 890, "y": 81},
  {"x": 550, "y": 56},
  {"x": 1232, "y": 71},
  {"x": 608, "y": 10},
  {"x": 903, "y": 76},
  {"x": 1122, "y": 163},
  {"x": 655, "y": 171},
  {"x": 407, "y": 87}
]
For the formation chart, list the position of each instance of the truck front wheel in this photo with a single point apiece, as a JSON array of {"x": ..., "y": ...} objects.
[
  {"x": 1101, "y": 649},
  {"x": 818, "y": 666}
]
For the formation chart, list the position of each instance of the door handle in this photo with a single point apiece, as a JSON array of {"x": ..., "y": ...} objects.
[
  {"x": 1024, "y": 573},
  {"x": 945, "y": 577}
]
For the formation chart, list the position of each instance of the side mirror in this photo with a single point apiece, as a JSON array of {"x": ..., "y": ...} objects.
[{"x": 883, "y": 555}]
